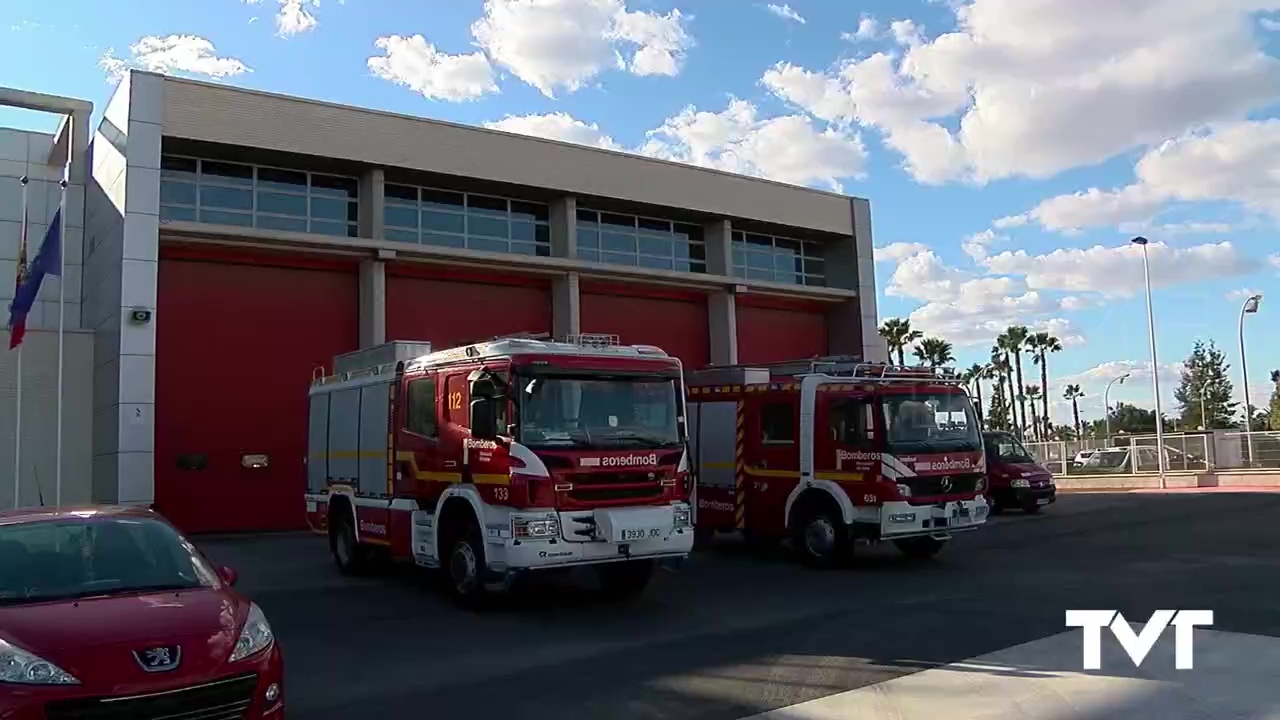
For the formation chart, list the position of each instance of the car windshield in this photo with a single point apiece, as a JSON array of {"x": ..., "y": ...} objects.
[
  {"x": 601, "y": 412},
  {"x": 1108, "y": 458},
  {"x": 92, "y": 556},
  {"x": 1005, "y": 448},
  {"x": 930, "y": 421}
]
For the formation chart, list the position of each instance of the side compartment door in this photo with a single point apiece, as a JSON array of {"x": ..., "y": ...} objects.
[
  {"x": 715, "y": 461},
  {"x": 773, "y": 461},
  {"x": 847, "y": 452}
]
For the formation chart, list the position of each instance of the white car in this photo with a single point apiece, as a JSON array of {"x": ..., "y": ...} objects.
[{"x": 1082, "y": 457}]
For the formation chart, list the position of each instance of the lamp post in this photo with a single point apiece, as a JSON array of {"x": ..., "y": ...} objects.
[
  {"x": 1106, "y": 403},
  {"x": 1155, "y": 363},
  {"x": 1250, "y": 307}
]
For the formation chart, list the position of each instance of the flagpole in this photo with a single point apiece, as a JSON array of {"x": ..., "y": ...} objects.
[
  {"x": 17, "y": 433},
  {"x": 62, "y": 295}
]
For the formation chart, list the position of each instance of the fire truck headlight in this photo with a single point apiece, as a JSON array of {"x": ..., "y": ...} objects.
[
  {"x": 255, "y": 637},
  {"x": 681, "y": 516},
  {"x": 980, "y": 485},
  {"x": 904, "y": 490},
  {"x": 535, "y": 527}
]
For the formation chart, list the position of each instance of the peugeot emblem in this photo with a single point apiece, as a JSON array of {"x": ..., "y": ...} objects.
[
  {"x": 946, "y": 483},
  {"x": 159, "y": 659}
]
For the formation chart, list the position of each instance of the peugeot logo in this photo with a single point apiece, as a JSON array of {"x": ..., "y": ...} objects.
[
  {"x": 159, "y": 659},
  {"x": 946, "y": 483}
]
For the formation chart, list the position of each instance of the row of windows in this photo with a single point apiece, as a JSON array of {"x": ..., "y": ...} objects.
[
  {"x": 226, "y": 193},
  {"x": 851, "y": 421},
  {"x": 420, "y": 410},
  {"x": 776, "y": 259},
  {"x": 640, "y": 242},
  {"x": 465, "y": 220}
]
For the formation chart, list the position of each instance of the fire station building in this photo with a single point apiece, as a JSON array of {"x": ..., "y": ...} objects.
[{"x": 246, "y": 238}]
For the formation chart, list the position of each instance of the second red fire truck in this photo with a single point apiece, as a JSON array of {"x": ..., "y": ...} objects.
[
  {"x": 831, "y": 451},
  {"x": 502, "y": 457}
]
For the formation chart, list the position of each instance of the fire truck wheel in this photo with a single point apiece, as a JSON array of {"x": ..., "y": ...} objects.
[
  {"x": 621, "y": 580},
  {"x": 351, "y": 558},
  {"x": 821, "y": 538},
  {"x": 920, "y": 548},
  {"x": 464, "y": 564}
]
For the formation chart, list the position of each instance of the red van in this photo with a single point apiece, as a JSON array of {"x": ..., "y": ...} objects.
[{"x": 1014, "y": 478}]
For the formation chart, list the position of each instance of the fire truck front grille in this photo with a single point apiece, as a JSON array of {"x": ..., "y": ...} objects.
[
  {"x": 935, "y": 486},
  {"x": 221, "y": 700},
  {"x": 614, "y": 487}
]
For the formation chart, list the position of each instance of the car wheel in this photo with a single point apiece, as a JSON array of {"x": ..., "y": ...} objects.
[
  {"x": 350, "y": 557},
  {"x": 622, "y": 580},
  {"x": 464, "y": 566},
  {"x": 920, "y": 548},
  {"x": 822, "y": 539}
]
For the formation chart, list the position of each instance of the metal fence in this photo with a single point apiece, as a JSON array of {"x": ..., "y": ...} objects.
[{"x": 1184, "y": 452}]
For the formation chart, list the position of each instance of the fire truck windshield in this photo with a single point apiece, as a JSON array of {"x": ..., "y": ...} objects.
[
  {"x": 930, "y": 422},
  {"x": 598, "y": 412}
]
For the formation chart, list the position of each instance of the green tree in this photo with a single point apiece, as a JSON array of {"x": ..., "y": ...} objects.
[
  {"x": 1275, "y": 400},
  {"x": 1074, "y": 393},
  {"x": 1042, "y": 344},
  {"x": 1013, "y": 340},
  {"x": 998, "y": 412},
  {"x": 1002, "y": 373},
  {"x": 1205, "y": 383},
  {"x": 898, "y": 334},
  {"x": 1128, "y": 419},
  {"x": 974, "y": 377},
  {"x": 1037, "y": 428},
  {"x": 934, "y": 352}
]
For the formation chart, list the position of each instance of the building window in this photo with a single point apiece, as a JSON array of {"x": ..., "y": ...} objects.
[
  {"x": 640, "y": 242},
  {"x": 226, "y": 193},
  {"x": 777, "y": 259},
  {"x": 465, "y": 220}
]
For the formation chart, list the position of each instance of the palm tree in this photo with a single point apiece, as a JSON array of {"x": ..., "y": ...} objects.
[
  {"x": 975, "y": 375},
  {"x": 934, "y": 352},
  {"x": 1033, "y": 394},
  {"x": 1002, "y": 372},
  {"x": 1013, "y": 340},
  {"x": 898, "y": 334},
  {"x": 1041, "y": 344},
  {"x": 1073, "y": 393}
]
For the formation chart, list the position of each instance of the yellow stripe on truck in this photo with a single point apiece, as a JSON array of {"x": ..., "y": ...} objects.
[{"x": 449, "y": 477}]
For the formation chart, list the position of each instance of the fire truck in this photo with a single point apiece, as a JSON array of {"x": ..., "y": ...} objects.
[
  {"x": 494, "y": 459},
  {"x": 829, "y": 452}
]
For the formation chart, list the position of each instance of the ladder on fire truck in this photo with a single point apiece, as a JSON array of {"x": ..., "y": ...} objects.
[{"x": 844, "y": 366}]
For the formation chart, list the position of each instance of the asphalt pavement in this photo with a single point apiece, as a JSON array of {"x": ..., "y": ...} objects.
[{"x": 736, "y": 633}]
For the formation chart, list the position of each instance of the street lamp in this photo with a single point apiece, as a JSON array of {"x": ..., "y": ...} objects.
[
  {"x": 1250, "y": 307},
  {"x": 1155, "y": 363},
  {"x": 1106, "y": 402}
]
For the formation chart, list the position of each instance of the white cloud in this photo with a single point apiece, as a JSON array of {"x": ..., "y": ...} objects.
[
  {"x": 1099, "y": 375},
  {"x": 418, "y": 65},
  {"x": 906, "y": 32},
  {"x": 1234, "y": 162},
  {"x": 1176, "y": 229},
  {"x": 1269, "y": 24},
  {"x": 899, "y": 251},
  {"x": 1026, "y": 82},
  {"x": 1274, "y": 260},
  {"x": 1242, "y": 294},
  {"x": 1117, "y": 271},
  {"x": 556, "y": 126},
  {"x": 975, "y": 246},
  {"x": 184, "y": 54},
  {"x": 785, "y": 12},
  {"x": 868, "y": 28},
  {"x": 564, "y": 44},
  {"x": 787, "y": 148}
]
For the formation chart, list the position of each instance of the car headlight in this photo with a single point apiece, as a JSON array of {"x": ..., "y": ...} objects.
[
  {"x": 1020, "y": 483},
  {"x": 21, "y": 667},
  {"x": 255, "y": 637},
  {"x": 681, "y": 516}
]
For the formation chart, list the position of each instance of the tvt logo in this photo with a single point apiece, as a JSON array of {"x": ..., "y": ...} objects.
[{"x": 1139, "y": 645}]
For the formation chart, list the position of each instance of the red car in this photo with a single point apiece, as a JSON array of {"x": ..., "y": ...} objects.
[
  {"x": 110, "y": 612},
  {"x": 1014, "y": 478}
]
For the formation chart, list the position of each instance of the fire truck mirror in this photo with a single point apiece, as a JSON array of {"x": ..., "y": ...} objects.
[
  {"x": 193, "y": 461},
  {"x": 484, "y": 419}
]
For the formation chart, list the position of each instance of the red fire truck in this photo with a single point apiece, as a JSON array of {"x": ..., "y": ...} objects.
[
  {"x": 831, "y": 451},
  {"x": 502, "y": 457}
]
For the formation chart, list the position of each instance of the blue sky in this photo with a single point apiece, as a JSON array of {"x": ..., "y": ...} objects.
[{"x": 1010, "y": 148}]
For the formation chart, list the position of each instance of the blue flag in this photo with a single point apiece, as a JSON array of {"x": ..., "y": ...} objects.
[{"x": 48, "y": 261}]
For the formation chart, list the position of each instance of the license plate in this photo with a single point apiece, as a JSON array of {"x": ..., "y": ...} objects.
[
  {"x": 632, "y": 534},
  {"x": 1042, "y": 501}
]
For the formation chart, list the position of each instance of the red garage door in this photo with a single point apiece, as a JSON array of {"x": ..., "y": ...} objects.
[
  {"x": 236, "y": 344},
  {"x": 463, "y": 308},
  {"x": 675, "y": 323},
  {"x": 771, "y": 333}
]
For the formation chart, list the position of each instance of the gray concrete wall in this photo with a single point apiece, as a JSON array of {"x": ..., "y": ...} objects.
[{"x": 120, "y": 276}]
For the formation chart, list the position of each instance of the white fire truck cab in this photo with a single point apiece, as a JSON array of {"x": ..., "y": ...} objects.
[
  {"x": 503, "y": 457},
  {"x": 830, "y": 451}
]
